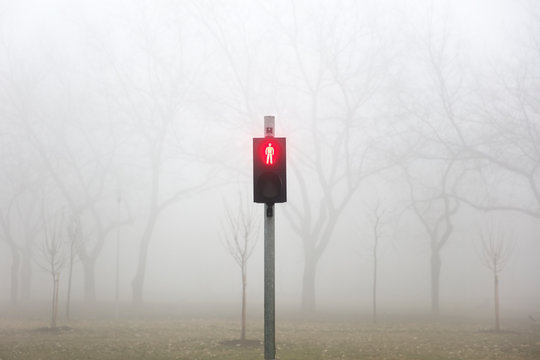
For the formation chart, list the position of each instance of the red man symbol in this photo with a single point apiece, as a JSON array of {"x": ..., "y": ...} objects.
[{"x": 269, "y": 152}]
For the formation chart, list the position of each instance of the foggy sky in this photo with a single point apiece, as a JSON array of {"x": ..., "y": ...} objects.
[{"x": 95, "y": 80}]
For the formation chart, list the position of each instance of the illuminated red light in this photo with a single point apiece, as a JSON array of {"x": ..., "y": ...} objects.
[{"x": 270, "y": 152}]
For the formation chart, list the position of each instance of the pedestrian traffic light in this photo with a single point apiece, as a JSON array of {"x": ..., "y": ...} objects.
[{"x": 269, "y": 170}]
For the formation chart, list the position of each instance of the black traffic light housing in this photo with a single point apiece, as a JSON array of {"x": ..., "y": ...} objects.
[{"x": 270, "y": 170}]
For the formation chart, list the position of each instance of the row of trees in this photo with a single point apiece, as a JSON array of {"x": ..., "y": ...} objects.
[{"x": 359, "y": 101}]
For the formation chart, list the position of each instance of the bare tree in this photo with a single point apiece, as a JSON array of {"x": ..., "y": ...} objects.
[
  {"x": 155, "y": 101},
  {"x": 19, "y": 217},
  {"x": 7, "y": 236},
  {"x": 435, "y": 161},
  {"x": 434, "y": 209},
  {"x": 74, "y": 232},
  {"x": 497, "y": 247},
  {"x": 241, "y": 240},
  {"x": 84, "y": 197},
  {"x": 378, "y": 219},
  {"x": 31, "y": 221},
  {"x": 54, "y": 254},
  {"x": 9, "y": 198},
  {"x": 492, "y": 132},
  {"x": 80, "y": 173},
  {"x": 339, "y": 145},
  {"x": 334, "y": 72},
  {"x": 117, "y": 270},
  {"x": 497, "y": 127}
]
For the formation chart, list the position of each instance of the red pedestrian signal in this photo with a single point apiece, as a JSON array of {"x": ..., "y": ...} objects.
[
  {"x": 269, "y": 170},
  {"x": 269, "y": 152}
]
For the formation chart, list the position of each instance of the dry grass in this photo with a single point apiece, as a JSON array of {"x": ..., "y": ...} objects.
[{"x": 213, "y": 338}]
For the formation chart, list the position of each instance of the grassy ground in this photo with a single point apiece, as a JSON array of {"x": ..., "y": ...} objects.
[{"x": 210, "y": 338}]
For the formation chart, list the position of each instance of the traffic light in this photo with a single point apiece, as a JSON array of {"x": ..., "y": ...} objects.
[{"x": 269, "y": 170}]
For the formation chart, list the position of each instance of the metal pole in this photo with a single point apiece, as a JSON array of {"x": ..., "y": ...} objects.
[
  {"x": 117, "y": 285},
  {"x": 269, "y": 266},
  {"x": 269, "y": 281}
]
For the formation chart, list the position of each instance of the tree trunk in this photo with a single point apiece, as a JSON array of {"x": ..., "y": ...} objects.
[
  {"x": 15, "y": 266},
  {"x": 117, "y": 278},
  {"x": 308, "y": 285},
  {"x": 496, "y": 294},
  {"x": 56, "y": 297},
  {"x": 70, "y": 275},
  {"x": 138, "y": 280},
  {"x": 89, "y": 280},
  {"x": 54, "y": 310},
  {"x": 244, "y": 285},
  {"x": 375, "y": 286},
  {"x": 435, "y": 277},
  {"x": 26, "y": 275}
]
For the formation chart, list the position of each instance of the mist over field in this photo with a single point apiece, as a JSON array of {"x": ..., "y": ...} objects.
[{"x": 413, "y": 160}]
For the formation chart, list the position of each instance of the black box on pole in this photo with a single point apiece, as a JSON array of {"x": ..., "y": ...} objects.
[{"x": 270, "y": 170}]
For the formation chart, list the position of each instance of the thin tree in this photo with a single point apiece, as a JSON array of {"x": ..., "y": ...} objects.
[
  {"x": 497, "y": 248},
  {"x": 54, "y": 254},
  {"x": 117, "y": 280},
  {"x": 19, "y": 216},
  {"x": 28, "y": 210},
  {"x": 74, "y": 240},
  {"x": 241, "y": 241},
  {"x": 6, "y": 235},
  {"x": 377, "y": 220}
]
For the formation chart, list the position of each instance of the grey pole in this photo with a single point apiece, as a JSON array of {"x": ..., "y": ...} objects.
[
  {"x": 269, "y": 281},
  {"x": 269, "y": 266},
  {"x": 117, "y": 284}
]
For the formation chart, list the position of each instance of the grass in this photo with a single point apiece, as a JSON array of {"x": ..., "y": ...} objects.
[{"x": 213, "y": 338}]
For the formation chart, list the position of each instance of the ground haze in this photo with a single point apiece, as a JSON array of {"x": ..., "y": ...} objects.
[{"x": 152, "y": 334}]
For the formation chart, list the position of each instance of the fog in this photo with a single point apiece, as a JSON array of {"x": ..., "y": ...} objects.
[{"x": 134, "y": 120}]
